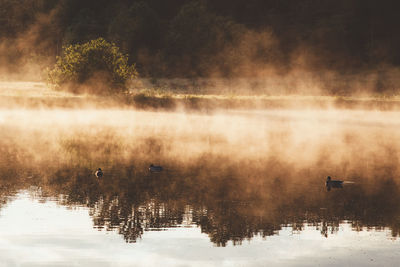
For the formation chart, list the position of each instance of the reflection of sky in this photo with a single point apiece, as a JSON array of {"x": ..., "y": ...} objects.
[{"x": 45, "y": 234}]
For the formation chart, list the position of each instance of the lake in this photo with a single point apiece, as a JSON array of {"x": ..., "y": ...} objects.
[{"x": 238, "y": 188}]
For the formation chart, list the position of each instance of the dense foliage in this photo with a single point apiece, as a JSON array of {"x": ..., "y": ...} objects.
[
  {"x": 96, "y": 66},
  {"x": 186, "y": 38}
]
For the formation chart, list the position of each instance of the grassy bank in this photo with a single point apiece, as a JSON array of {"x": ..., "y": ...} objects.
[
  {"x": 214, "y": 102},
  {"x": 37, "y": 95}
]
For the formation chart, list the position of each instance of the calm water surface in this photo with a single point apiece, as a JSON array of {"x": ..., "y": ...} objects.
[{"x": 238, "y": 189}]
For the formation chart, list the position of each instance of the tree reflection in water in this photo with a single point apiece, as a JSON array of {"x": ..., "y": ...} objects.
[
  {"x": 132, "y": 202},
  {"x": 229, "y": 199}
]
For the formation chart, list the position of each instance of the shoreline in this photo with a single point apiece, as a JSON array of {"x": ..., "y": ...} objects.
[
  {"x": 36, "y": 95},
  {"x": 198, "y": 103}
]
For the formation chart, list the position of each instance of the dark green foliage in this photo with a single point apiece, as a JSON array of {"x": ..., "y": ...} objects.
[
  {"x": 96, "y": 66},
  {"x": 84, "y": 27},
  {"x": 136, "y": 27},
  {"x": 195, "y": 35}
]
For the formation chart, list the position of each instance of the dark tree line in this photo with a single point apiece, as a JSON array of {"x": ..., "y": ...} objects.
[{"x": 182, "y": 38}]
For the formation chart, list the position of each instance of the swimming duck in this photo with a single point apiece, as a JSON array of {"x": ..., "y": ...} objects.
[
  {"x": 154, "y": 168},
  {"x": 333, "y": 183},
  {"x": 99, "y": 173}
]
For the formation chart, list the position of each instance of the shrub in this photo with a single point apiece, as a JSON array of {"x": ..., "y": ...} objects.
[{"x": 95, "y": 67}]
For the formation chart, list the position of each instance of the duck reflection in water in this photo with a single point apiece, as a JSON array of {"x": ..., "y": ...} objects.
[{"x": 333, "y": 183}]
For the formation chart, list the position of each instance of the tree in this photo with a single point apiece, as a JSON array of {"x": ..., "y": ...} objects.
[
  {"x": 195, "y": 37},
  {"x": 136, "y": 27},
  {"x": 96, "y": 66}
]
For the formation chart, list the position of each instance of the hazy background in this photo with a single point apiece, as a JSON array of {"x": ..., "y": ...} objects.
[{"x": 309, "y": 46}]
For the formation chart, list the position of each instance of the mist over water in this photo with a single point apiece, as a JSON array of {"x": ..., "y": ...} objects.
[
  {"x": 248, "y": 178},
  {"x": 241, "y": 173}
]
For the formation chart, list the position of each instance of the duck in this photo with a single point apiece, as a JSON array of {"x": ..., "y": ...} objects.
[
  {"x": 333, "y": 183},
  {"x": 99, "y": 173},
  {"x": 154, "y": 168}
]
